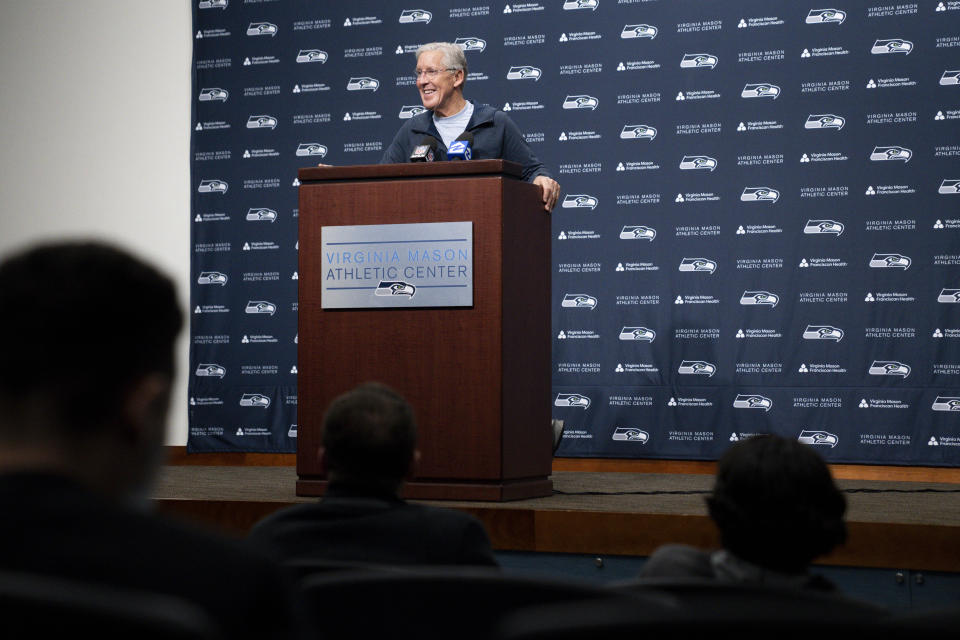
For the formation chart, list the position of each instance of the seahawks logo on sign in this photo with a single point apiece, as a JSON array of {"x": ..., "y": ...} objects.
[
  {"x": 949, "y": 187},
  {"x": 395, "y": 288},
  {"x": 212, "y": 186},
  {"x": 698, "y": 61},
  {"x": 704, "y": 265},
  {"x": 471, "y": 44},
  {"x": 759, "y": 194},
  {"x": 212, "y": 277},
  {"x": 765, "y": 298},
  {"x": 254, "y": 400},
  {"x": 262, "y": 29},
  {"x": 415, "y": 15},
  {"x": 579, "y": 201},
  {"x": 261, "y": 122},
  {"x": 639, "y": 31},
  {"x": 210, "y": 371},
  {"x": 577, "y": 400},
  {"x": 579, "y": 301},
  {"x": 823, "y": 226},
  {"x": 821, "y": 16},
  {"x": 822, "y": 332},
  {"x": 261, "y": 214},
  {"x": 823, "y": 438},
  {"x": 213, "y": 93},
  {"x": 890, "y": 261},
  {"x": 631, "y": 434},
  {"x": 638, "y": 232},
  {"x": 752, "y": 401},
  {"x": 761, "y": 90},
  {"x": 698, "y": 162},
  {"x": 881, "y": 154},
  {"x": 311, "y": 149},
  {"x": 945, "y": 403},
  {"x": 638, "y": 334},
  {"x": 524, "y": 72},
  {"x": 638, "y": 132},
  {"x": 824, "y": 121},
  {"x": 697, "y": 367},
  {"x": 893, "y": 45},
  {"x": 410, "y": 110},
  {"x": 889, "y": 368},
  {"x": 312, "y": 55},
  {"x": 363, "y": 84}
]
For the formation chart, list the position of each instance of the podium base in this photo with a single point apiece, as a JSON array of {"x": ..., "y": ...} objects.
[{"x": 493, "y": 491}]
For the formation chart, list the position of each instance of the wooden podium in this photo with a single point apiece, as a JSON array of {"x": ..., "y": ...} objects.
[{"x": 478, "y": 377}]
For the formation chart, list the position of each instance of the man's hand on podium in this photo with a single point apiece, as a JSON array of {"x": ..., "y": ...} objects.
[{"x": 550, "y": 189}]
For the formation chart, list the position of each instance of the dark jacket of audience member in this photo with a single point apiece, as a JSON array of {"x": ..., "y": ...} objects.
[
  {"x": 369, "y": 444},
  {"x": 84, "y": 390},
  {"x": 776, "y": 507}
]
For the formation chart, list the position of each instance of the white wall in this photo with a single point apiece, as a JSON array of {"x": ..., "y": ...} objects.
[{"x": 95, "y": 142}]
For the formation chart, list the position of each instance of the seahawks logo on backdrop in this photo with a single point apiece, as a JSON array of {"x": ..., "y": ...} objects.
[
  {"x": 890, "y": 261},
  {"x": 262, "y": 29},
  {"x": 765, "y": 298},
  {"x": 638, "y": 132},
  {"x": 408, "y": 16},
  {"x": 524, "y": 72},
  {"x": 759, "y": 194},
  {"x": 579, "y": 301},
  {"x": 760, "y": 90},
  {"x": 697, "y": 367},
  {"x": 821, "y": 16},
  {"x": 889, "y": 368},
  {"x": 824, "y": 121},
  {"x": 638, "y": 232},
  {"x": 254, "y": 400},
  {"x": 579, "y": 201},
  {"x": 212, "y": 93},
  {"x": 212, "y": 277},
  {"x": 312, "y": 55},
  {"x": 946, "y": 403},
  {"x": 410, "y": 110},
  {"x": 638, "y": 334},
  {"x": 311, "y": 149},
  {"x": 261, "y": 122},
  {"x": 949, "y": 296},
  {"x": 261, "y": 214},
  {"x": 573, "y": 5},
  {"x": 395, "y": 288},
  {"x": 823, "y": 226},
  {"x": 822, "y": 332},
  {"x": 631, "y": 434},
  {"x": 210, "y": 371},
  {"x": 950, "y": 77},
  {"x": 881, "y": 154},
  {"x": 471, "y": 44},
  {"x": 704, "y": 265},
  {"x": 698, "y": 61},
  {"x": 820, "y": 438},
  {"x": 698, "y": 162},
  {"x": 752, "y": 401},
  {"x": 949, "y": 187},
  {"x": 260, "y": 307},
  {"x": 363, "y": 83},
  {"x": 577, "y": 400},
  {"x": 893, "y": 45},
  {"x": 212, "y": 186},
  {"x": 639, "y": 31}
]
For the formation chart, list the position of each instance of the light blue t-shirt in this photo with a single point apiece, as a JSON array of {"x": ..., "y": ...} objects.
[{"x": 452, "y": 126}]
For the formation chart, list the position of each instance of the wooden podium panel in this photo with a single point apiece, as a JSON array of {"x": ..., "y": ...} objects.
[{"x": 477, "y": 377}]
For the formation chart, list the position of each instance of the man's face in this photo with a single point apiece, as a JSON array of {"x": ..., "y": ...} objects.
[{"x": 436, "y": 89}]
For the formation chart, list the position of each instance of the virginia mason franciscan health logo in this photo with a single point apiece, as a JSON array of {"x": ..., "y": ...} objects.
[{"x": 397, "y": 265}]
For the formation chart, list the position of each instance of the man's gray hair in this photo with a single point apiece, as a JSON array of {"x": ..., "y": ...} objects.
[{"x": 453, "y": 57}]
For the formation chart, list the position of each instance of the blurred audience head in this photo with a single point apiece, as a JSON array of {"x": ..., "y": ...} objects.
[
  {"x": 776, "y": 504},
  {"x": 88, "y": 361},
  {"x": 369, "y": 438}
]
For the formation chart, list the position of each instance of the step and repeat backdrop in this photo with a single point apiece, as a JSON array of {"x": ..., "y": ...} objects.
[{"x": 759, "y": 229}]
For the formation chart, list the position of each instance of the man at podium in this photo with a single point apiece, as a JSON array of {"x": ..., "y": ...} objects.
[{"x": 449, "y": 117}]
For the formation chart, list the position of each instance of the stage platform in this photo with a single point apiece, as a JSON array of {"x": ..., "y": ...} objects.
[{"x": 903, "y": 524}]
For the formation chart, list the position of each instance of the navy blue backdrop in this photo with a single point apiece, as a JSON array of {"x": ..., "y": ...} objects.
[{"x": 759, "y": 230}]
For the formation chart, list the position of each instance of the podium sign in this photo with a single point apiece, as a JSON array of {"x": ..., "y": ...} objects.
[{"x": 397, "y": 265}]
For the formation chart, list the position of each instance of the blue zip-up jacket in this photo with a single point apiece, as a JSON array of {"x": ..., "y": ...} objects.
[{"x": 494, "y": 136}]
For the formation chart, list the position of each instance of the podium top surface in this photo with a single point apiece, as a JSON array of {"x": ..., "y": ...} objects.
[{"x": 411, "y": 170}]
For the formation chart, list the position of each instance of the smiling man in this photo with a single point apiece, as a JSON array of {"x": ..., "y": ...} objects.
[{"x": 441, "y": 73}]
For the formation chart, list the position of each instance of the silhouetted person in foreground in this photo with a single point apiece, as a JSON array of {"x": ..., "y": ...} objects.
[
  {"x": 369, "y": 447},
  {"x": 88, "y": 358},
  {"x": 777, "y": 508}
]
